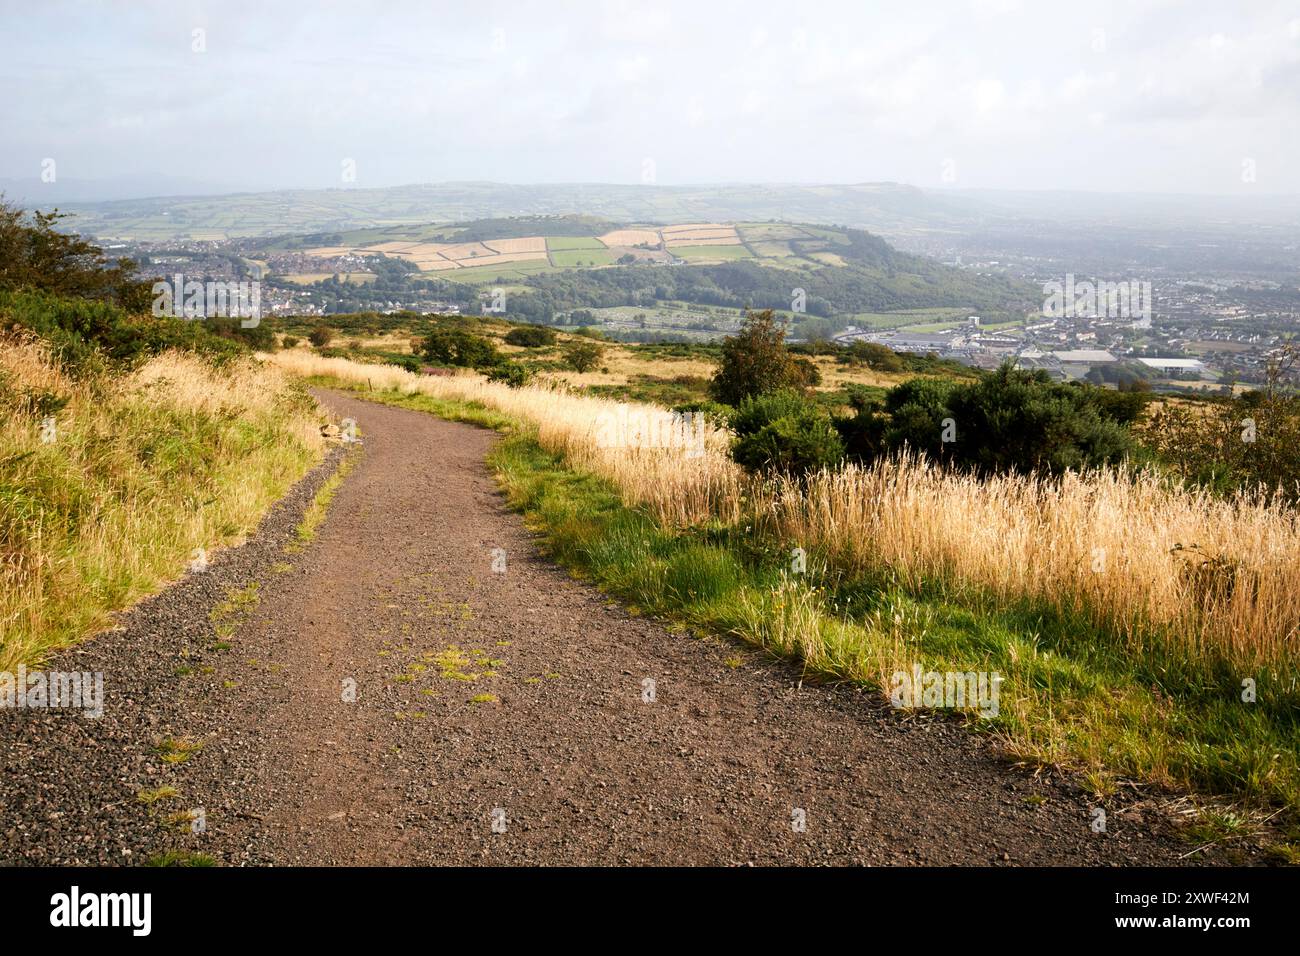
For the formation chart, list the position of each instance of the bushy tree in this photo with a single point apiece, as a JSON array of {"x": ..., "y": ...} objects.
[
  {"x": 876, "y": 356},
  {"x": 582, "y": 356},
  {"x": 461, "y": 348},
  {"x": 1022, "y": 421},
  {"x": 755, "y": 360},
  {"x": 916, "y": 411},
  {"x": 36, "y": 256}
]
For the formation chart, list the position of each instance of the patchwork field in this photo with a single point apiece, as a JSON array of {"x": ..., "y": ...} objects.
[{"x": 776, "y": 244}]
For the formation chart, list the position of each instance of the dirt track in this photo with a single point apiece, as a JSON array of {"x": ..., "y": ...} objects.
[{"x": 565, "y": 755}]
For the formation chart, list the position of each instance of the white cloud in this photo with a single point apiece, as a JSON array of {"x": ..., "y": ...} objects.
[{"x": 717, "y": 91}]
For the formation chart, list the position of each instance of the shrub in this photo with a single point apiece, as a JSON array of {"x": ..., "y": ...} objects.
[
  {"x": 320, "y": 336},
  {"x": 1231, "y": 443},
  {"x": 511, "y": 373},
  {"x": 1022, "y": 421},
  {"x": 783, "y": 432},
  {"x": 876, "y": 356},
  {"x": 755, "y": 360},
  {"x": 1007, "y": 421},
  {"x": 290, "y": 341},
  {"x": 915, "y": 414},
  {"x": 84, "y": 333},
  {"x": 715, "y": 413},
  {"x": 530, "y": 336}
]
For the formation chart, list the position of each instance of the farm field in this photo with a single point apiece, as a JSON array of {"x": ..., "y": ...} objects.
[
  {"x": 582, "y": 258},
  {"x": 719, "y": 252}
]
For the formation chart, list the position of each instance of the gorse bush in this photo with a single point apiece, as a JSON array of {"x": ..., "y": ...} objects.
[
  {"x": 91, "y": 311},
  {"x": 1007, "y": 421},
  {"x": 782, "y": 432},
  {"x": 86, "y": 335},
  {"x": 511, "y": 373},
  {"x": 530, "y": 336},
  {"x": 36, "y": 256}
]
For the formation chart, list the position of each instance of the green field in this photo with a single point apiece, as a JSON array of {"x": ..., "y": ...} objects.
[
  {"x": 909, "y": 317},
  {"x": 478, "y": 274},
  {"x": 596, "y": 255},
  {"x": 712, "y": 252}
]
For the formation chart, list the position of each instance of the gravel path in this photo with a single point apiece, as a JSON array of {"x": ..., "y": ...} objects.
[{"x": 391, "y": 697}]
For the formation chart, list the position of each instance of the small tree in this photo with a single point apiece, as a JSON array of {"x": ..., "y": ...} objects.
[
  {"x": 755, "y": 360},
  {"x": 582, "y": 356},
  {"x": 320, "y": 336}
]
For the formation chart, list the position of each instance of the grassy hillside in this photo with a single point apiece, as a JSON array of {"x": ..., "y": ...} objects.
[
  {"x": 129, "y": 448},
  {"x": 551, "y": 266}
]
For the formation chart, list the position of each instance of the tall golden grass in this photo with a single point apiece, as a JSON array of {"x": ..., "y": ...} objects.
[
  {"x": 1154, "y": 560},
  {"x": 138, "y": 472}
]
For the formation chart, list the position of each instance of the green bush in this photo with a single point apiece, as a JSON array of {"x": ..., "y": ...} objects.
[
  {"x": 530, "y": 336},
  {"x": 876, "y": 356},
  {"x": 715, "y": 413},
  {"x": 36, "y": 256},
  {"x": 782, "y": 432},
  {"x": 1022, "y": 421},
  {"x": 84, "y": 333},
  {"x": 1008, "y": 420},
  {"x": 512, "y": 373},
  {"x": 460, "y": 348}
]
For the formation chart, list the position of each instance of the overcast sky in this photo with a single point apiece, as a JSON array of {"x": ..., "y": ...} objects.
[{"x": 1199, "y": 97}]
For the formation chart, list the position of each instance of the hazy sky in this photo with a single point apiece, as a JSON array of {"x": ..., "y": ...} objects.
[{"x": 1126, "y": 96}]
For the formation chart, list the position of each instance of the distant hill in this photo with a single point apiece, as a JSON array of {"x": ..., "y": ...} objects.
[
  {"x": 880, "y": 207},
  {"x": 558, "y": 263}
]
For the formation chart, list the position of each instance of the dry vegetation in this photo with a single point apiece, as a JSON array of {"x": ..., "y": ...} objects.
[{"x": 135, "y": 474}]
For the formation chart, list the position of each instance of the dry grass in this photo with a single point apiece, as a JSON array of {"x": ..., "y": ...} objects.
[
  {"x": 140, "y": 472},
  {"x": 632, "y": 445},
  {"x": 1106, "y": 544}
]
